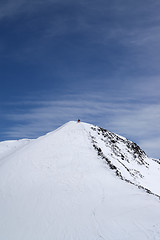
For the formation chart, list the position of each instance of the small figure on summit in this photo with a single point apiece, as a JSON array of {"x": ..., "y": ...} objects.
[{"x": 78, "y": 120}]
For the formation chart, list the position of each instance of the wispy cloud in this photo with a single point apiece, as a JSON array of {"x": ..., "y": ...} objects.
[
  {"x": 130, "y": 26},
  {"x": 151, "y": 145},
  {"x": 11, "y": 8},
  {"x": 107, "y": 48},
  {"x": 138, "y": 122}
]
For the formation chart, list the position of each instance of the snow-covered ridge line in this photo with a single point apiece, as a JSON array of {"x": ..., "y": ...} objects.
[
  {"x": 118, "y": 173},
  {"x": 129, "y": 162},
  {"x": 59, "y": 187}
]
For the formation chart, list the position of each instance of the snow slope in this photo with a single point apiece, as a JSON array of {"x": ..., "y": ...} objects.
[
  {"x": 127, "y": 159},
  {"x": 60, "y": 186},
  {"x": 9, "y": 147}
]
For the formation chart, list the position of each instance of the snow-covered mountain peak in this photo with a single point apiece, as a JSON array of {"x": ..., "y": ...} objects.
[
  {"x": 127, "y": 160},
  {"x": 79, "y": 182}
]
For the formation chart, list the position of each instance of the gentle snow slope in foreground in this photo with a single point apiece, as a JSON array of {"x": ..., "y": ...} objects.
[{"x": 57, "y": 187}]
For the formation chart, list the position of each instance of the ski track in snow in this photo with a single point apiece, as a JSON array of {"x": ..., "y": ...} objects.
[{"x": 57, "y": 187}]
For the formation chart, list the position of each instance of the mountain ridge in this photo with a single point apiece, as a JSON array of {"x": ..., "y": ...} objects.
[
  {"x": 60, "y": 186},
  {"x": 125, "y": 151}
]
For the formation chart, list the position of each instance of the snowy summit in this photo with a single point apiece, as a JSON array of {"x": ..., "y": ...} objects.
[{"x": 79, "y": 182}]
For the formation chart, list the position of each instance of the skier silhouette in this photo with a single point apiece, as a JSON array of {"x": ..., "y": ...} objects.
[{"x": 78, "y": 120}]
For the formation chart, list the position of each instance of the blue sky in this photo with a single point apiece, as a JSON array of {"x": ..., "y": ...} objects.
[{"x": 95, "y": 60}]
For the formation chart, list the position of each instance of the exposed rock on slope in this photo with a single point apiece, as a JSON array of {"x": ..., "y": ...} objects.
[
  {"x": 127, "y": 159},
  {"x": 61, "y": 186}
]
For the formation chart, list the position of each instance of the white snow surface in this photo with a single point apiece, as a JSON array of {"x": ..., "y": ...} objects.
[
  {"x": 58, "y": 187},
  {"x": 9, "y": 147}
]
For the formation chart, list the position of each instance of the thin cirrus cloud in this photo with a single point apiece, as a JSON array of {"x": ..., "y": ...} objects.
[
  {"x": 99, "y": 23},
  {"x": 132, "y": 120},
  {"x": 12, "y": 8},
  {"x": 107, "y": 49},
  {"x": 152, "y": 146}
]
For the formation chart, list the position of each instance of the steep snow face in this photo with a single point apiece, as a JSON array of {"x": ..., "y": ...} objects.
[
  {"x": 61, "y": 187},
  {"x": 126, "y": 158}
]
